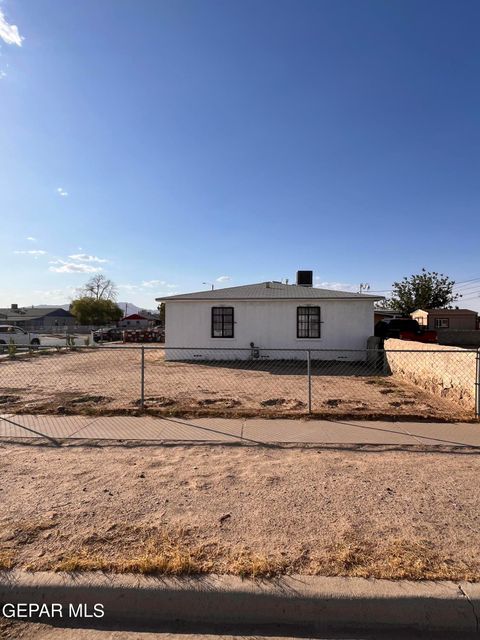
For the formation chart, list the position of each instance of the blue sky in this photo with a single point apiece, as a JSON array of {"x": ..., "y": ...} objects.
[{"x": 171, "y": 143}]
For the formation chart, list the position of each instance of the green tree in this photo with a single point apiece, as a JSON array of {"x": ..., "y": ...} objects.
[
  {"x": 426, "y": 290},
  {"x": 89, "y": 310},
  {"x": 161, "y": 313}
]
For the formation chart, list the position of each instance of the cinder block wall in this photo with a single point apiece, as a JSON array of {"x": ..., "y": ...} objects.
[
  {"x": 459, "y": 336},
  {"x": 448, "y": 372}
]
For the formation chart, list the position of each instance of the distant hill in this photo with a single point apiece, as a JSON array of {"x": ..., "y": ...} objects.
[
  {"x": 130, "y": 308},
  {"x": 47, "y": 306}
]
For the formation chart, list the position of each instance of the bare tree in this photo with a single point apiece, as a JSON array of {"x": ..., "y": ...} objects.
[{"x": 100, "y": 288}]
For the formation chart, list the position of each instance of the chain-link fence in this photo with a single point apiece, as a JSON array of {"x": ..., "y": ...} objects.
[{"x": 393, "y": 383}]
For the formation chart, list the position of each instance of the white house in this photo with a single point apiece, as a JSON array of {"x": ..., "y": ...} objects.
[{"x": 252, "y": 321}]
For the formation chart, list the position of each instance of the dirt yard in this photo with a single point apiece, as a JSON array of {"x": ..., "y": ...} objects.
[
  {"x": 109, "y": 381},
  {"x": 242, "y": 510}
]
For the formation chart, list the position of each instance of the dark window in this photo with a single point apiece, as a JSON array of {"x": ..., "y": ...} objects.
[
  {"x": 308, "y": 322},
  {"x": 222, "y": 322}
]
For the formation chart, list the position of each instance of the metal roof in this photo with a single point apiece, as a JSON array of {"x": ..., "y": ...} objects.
[
  {"x": 270, "y": 291},
  {"x": 31, "y": 313},
  {"x": 445, "y": 311}
]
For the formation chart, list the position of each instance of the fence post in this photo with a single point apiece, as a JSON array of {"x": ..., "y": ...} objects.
[
  {"x": 142, "y": 380},
  {"x": 309, "y": 376},
  {"x": 477, "y": 385}
]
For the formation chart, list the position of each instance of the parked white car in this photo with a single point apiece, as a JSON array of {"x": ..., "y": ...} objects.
[{"x": 9, "y": 334}]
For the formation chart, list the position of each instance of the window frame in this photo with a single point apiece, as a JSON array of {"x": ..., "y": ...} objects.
[
  {"x": 300, "y": 311},
  {"x": 439, "y": 323},
  {"x": 212, "y": 322}
]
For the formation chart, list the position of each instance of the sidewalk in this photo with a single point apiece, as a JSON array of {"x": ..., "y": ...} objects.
[
  {"x": 307, "y": 605},
  {"x": 241, "y": 430}
]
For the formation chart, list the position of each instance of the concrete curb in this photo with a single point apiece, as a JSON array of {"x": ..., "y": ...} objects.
[{"x": 310, "y": 602}]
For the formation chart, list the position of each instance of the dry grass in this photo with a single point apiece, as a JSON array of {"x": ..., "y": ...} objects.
[
  {"x": 6, "y": 560},
  {"x": 161, "y": 554},
  {"x": 172, "y": 554},
  {"x": 178, "y": 562},
  {"x": 397, "y": 560},
  {"x": 252, "y": 565}
]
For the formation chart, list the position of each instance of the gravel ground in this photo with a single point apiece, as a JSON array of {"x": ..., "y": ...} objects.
[
  {"x": 239, "y": 510},
  {"x": 106, "y": 381}
]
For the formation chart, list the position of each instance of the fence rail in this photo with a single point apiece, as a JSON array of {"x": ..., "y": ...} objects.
[{"x": 440, "y": 383}]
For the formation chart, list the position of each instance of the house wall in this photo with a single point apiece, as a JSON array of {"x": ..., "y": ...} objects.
[
  {"x": 421, "y": 317},
  {"x": 46, "y": 323},
  {"x": 346, "y": 324},
  {"x": 49, "y": 323},
  {"x": 456, "y": 321},
  {"x": 135, "y": 324}
]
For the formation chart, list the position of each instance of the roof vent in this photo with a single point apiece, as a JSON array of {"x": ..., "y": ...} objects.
[
  {"x": 14, "y": 306},
  {"x": 305, "y": 278}
]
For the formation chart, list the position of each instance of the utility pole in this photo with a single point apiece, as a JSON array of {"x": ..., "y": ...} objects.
[{"x": 364, "y": 286}]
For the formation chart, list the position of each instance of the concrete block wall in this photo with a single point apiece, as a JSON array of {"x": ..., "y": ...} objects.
[
  {"x": 459, "y": 336},
  {"x": 448, "y": 372}
]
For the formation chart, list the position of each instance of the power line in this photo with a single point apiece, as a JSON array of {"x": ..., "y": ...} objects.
[
  {"x": 472, "y": 287},
  {"x": 472, "y": 297},
  {"x": 471, "y": 280},
  {"x": 464, "y": 281},
  {"x": 468, "y": 290},
  {"x": 467, "y": 285},
  {"x": 462, "y": 285}
]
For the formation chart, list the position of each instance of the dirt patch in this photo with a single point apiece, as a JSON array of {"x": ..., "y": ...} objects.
[
  {"x": 89, "y": 399},
  {"x": 247, "y": 511},
  {"x": 227, "y": 403},
  {"x": 8, "y": 399},
  {"x": 157, "y": 401},
  {"x": 401, "y": 403},
  {"x": 332, "y": 402},
  {"x": 283, "y": 403},
  {"x": 351, "y": 404},
  {"x": 108, "y": 382}
]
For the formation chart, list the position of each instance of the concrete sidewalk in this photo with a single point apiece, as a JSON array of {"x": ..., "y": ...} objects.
[
  {"x": 241, "y": 430},
  {"x": 309, "y": 604}
]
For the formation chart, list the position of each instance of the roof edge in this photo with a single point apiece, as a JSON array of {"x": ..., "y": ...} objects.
[{"x": 179, "y": 298}]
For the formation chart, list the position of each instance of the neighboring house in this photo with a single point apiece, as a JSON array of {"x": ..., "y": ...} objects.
[
  {"x": 153, "y": 316},
  {"x": 383, "y": 314},
  {"x": 268, "y": 315},
  {"x": 38, "y": 318},
  {"x": 136, "y": 321},
  {"x": 439, "y": 319}
]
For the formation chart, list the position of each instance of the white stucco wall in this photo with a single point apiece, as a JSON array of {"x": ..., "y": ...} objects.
[{"x": 272, "y": 324}]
